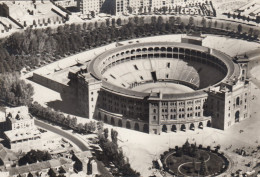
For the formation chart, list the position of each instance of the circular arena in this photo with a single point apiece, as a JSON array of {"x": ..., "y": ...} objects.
[{"x": 161, "y": 87}]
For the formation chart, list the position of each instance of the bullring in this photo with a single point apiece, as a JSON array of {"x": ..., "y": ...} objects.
[{"x": 218, "y": 83}]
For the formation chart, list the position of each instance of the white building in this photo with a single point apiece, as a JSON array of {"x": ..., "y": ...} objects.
[{"x": 21, "y": 134}]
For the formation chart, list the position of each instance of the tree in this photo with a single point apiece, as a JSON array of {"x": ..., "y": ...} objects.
[
  {"x": 239, "y": 28},
  {"x": 160, "y": 20},
  {"x": 194, "y": 163},
  {"x": 103, "y": 25},
  {"x": 13, "y": 90},
  {"x": 191, "y": 21},
  {"x": 216, "y": 24},
  {"x": 33, "y": 156},
  {"x": 78, "y": 28},
  {"x": 203, "y": 22},
  {"x": 92, "y": 14},
  {"x": 229, "y": 15},
  {"x": 90, "y": 26},
  {"x": 100, "y": 126},
  {"x": 73, "y": 27},
  {"x": 51, "y": 173},
  {"x": 108, "y": 22},
  {"x": 178, "y": 20},
  {"x": 257, "y": 19},
  {"x": 222, "y": 26},
  {"x": 119, "y": 21},
  {"x": 85, "y": 26},
  {"x": 80, "y": 127},
  {"x": 209, "y": 24},
  {"x": 114, "y": 135},
  {"x": 203, "y": 168},
  {"x": 250, "y": 32},
  {"x": 248, "y": 18},
  {"x": 239, "y": 15},
  {"x": 34, "y": 23},
  {"x": 96, "y": 25},
  {"x": 92, "y": 125},
  {"x": 153, "y": 20},
  {"x": 113, "y": 22},
  {"x": 73, "y": 122},
  {"x": 136, "y": 20},
  {"x": 106, "y": 133},
  {"x": 182, "y": 26},
  {"x": 130, "y": 9},
  {"x": 256, "y": 34},
  {"x": 172, "y": 20}
]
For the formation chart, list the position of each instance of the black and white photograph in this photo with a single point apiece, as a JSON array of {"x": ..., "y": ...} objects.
[{"x": 129, "y": 88}]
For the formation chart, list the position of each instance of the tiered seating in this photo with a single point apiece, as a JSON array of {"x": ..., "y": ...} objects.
[{"x": 137, "y": 71}]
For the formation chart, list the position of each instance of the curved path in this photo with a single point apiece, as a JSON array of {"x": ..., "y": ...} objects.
[
  {"x": 228, "y": 171},
  {"x": 83, "y": 147},
  {"x": 63, "y": 133},
  {"x": 179, "y": 167}
]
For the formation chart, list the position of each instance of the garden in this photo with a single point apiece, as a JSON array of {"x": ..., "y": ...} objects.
[{"x": 193, "y": 160}]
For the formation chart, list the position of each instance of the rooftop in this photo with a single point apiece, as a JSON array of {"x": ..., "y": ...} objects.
[
  {"x": 20, "y": 134},
  {"x": 18, "y": 113},
  {"x": 84, "y": 154},
  {"x": 54, "y": 163},
  {"x": 6, "y": 154}
]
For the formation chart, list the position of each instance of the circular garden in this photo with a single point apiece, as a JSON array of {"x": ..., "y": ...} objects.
[{"x": 193, "y": 160}]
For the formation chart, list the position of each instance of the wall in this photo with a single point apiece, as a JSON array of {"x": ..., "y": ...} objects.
[{"x": 51, "y": 84}]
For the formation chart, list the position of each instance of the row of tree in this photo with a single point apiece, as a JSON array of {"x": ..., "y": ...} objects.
[
  {"x": 49, "y": 114},
  {"x": 115, "y": 154},
  {"x": 34, "y": 156},
  {"x": 243, "y": 17},
  {"x": 35, "y": 47},
  {"x": 14, "y": 91}
]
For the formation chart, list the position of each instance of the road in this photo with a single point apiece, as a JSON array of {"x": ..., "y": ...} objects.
[
  {"x": 101, "y": 168},
  {"x": 62, "y": 133}
]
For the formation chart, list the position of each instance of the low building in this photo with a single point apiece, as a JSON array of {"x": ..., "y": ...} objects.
[
  {"x": 21, "y": 134},
  {"x": 4, "y": 10},
  {"x": 23, "y": 140},
  {"x": 84, "y": 162},
  {"x": 7, "y": 157},
  {"x": 41, "y": 169}
]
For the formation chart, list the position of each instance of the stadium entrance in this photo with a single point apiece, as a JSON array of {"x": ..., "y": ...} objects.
[{"x": 237, "y": 116}]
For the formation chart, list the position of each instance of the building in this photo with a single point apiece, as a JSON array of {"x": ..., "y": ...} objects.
[
  {"x": 84, "y": 162},
  {"x": 195, "y": 39},
  {"x": 89, "y": 6},
  {"x": 119, "y": 7},
  {"x": 42, "y": 169},
  {"x": 219, "y": 100},
  {"x": 7, "y": 157},
  {"x": 4, "y": 10},
  {"x": 21, "y": 134},
  {"x": 130, "y": 86}
]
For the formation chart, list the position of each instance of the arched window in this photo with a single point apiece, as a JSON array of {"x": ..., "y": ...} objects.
[{"x": 237, "y": 101}]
